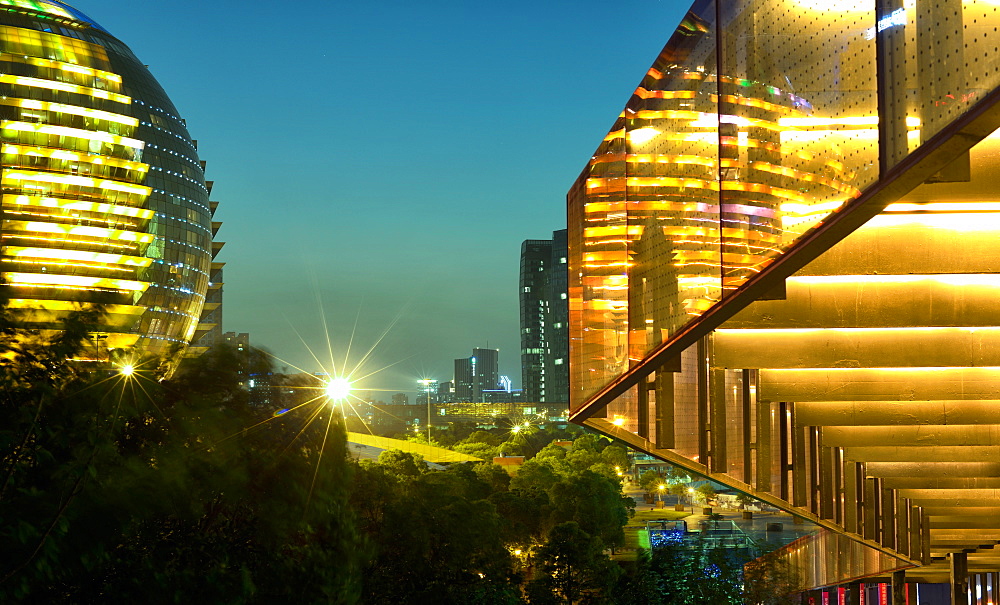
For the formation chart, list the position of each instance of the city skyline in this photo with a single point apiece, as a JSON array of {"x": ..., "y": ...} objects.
[{"x": 377, "y": 222}]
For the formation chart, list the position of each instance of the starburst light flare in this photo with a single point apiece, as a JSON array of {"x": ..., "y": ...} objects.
[{"x": 338, "y": 389}]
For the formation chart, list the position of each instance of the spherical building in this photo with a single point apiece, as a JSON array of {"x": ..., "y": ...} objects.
[{"x": 104, "y": 198}]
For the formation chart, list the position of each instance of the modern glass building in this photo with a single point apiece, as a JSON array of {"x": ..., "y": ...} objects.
[
  {"x": 104, "y": 197},
  {"x": 785, "y": 275}
]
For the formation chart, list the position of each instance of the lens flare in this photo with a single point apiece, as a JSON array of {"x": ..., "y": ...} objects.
[
  {"x": 338, "y": 389},
  {"x": 127, "y": 370}
]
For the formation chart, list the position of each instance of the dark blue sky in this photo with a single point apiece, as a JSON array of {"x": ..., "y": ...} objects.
[{"x": 388, "y": 158}]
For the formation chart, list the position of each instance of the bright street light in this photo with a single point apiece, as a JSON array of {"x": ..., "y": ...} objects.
[{"x": 338, "y": 389}]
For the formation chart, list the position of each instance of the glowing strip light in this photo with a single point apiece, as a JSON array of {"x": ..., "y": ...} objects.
[
  {"x": 958, "y": 279},
  {"x": 98, "y": 207},
  {"x": 616, "y": 184},
  {"x": 80, "y": 181},
  {"x": 65, "y": 131},
  {"x": 806, "y": 209},
  {"x": 96, "y": 93},
  {"x": 944, "y": 207},
  {"x": 50, "y": 279},
  {"x": 71, "y": 109},
  {"x": 78, "y": 255},
  {"x": 643, "y": 93},
  {"x": 66, "y": 240},
  {"x": 62, "y": 65},
  {"x": 757, "y": 103},
  {"x": 73, "y": 156},
  {"x": 98, "y": 232},
  {"x": 42, "y": 216},
  {"x": 65, "y": 305},
  {"x": 45, "y": 264},
  {"x": 713, "y": 120},
  {"x": 958, "y": 221}
]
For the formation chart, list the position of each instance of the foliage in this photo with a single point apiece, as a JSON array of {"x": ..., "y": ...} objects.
[
  {"x": 650, "y": 480},
  {"x": 706, "y": 490},
  {"x": 770, "y": 580},
  {"x": 176, "y": 488},
  {"x": 572, "y": 566},
  {"x": 116, "y": 489},
  {"x": 745, "y": 500}
]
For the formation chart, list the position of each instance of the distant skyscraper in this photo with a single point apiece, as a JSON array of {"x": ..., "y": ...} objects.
[
  {"x": 476, "y": 374},
  {"x": 485, "y": 371},
  {"x": 544, "y": 319}
]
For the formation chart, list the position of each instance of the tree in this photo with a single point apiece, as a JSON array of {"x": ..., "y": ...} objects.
[
  {"x": 616, "y": 456},
  {"x": 402, "y": 464},
  {"x": 129, "y": 488},
  {"x": 650, "y": 480},
  {"x": 680, "y": 490},
  {"x": 595, "y": 503},
  {"x": 573, "y": 566},
  {"x": 770, "y": 580},
  {"x": 706, "y": 490}
]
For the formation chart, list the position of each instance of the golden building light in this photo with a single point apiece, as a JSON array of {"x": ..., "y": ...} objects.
[
  {"x": 784, "y": 273},
  {"x": 103, "y": 195}
]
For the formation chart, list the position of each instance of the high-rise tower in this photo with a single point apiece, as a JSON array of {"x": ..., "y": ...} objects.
[{"x": 544, "y": 319}]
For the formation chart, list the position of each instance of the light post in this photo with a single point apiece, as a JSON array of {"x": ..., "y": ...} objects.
[
  {"x": 691, "y": 493},
  {"x": 427, "y": 389},
  {"x": 660, "y": 488}
]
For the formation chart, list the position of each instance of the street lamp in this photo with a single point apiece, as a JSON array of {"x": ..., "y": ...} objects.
[
  {"x": 427, "y": 389},
  {"x": 691, "y": 492},
  {"x": 661, "y": 487}
]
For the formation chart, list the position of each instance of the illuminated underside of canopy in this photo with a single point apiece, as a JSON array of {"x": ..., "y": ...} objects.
[{"x": 784, "y": 273}]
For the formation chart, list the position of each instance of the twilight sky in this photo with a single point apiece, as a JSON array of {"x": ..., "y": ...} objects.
[{"x": 380, "y": 163}]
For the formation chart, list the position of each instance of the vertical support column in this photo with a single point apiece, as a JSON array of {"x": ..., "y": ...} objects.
[
  {"x": 838, "y": 484},
  {"x": 902, "y": 524},
  {"x": 812, "y": 438},
  {"x": 925, "y": 537},
  {"x": 703, "y": 418},
  {"x": 869, "y": 510},
  {"x": 828, "y": 487},
  {"x": 899, "y": 587},
  {"x": 642, "y": 407},
  {"x": 854, "y": 593},
  {"x": 782, "y": 450},
  {"x": 764, "y": 462},
  {"x": 800, "y": 464},
  {"x": 852, "y": 497},
  {"x": 959, "y": 578},
  {"x": 887, "y": 498},
  {"x": 664, "y": 427},
  {"x": 717, "y": 386},
  {"x": 748, "y": 386}
]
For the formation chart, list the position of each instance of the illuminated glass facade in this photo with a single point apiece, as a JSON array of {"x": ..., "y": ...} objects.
[
  {"x": 784, "y": 275},
  {"x": 104, "y": 197}
]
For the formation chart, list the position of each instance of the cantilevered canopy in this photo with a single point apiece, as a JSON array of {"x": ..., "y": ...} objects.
[{"x": 784, "y": 271}]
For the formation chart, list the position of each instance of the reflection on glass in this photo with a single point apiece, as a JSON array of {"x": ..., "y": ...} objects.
[{"x": 729, "y": 150}]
